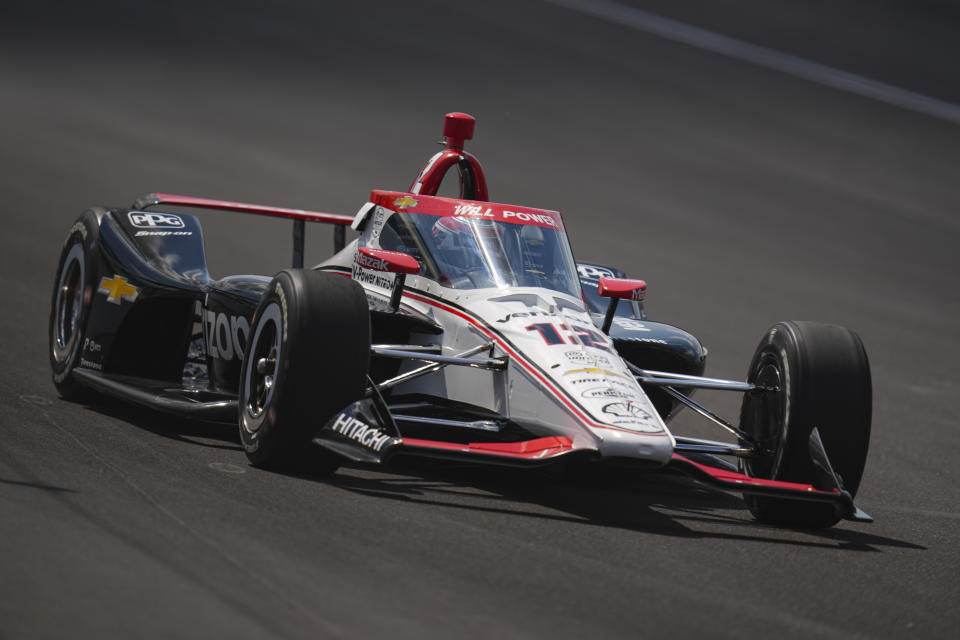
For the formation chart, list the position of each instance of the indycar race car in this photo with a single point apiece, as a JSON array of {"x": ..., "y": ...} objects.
[{"x": 450, "y": 327}]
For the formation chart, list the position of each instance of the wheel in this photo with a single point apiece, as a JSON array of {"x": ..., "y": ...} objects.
[
  {"x": 73, "y": 290},
  {"x": 822, "y": 377},
  {"x": 307, "y": 358}
]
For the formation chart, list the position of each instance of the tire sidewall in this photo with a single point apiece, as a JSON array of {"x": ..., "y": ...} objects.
[
  {"x": 321, "y": 367},
  {"x": 83, "y": 235},
  {"x": 779, "y": 349},
  {"x": 257, "y": 432}
]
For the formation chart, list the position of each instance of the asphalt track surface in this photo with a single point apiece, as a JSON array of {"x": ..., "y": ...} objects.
[{"x": 742, "y": 195}]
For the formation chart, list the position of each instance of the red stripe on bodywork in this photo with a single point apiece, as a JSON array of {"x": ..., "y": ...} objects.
[
  {"x": 528, "y": 449},
  {"x": 734, "y": 479},
  {"x": 439, "y": 206}
]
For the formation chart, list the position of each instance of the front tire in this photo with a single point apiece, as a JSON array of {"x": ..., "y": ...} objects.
[
  {"x": 307, "y": 358},
  {"x": 822, "y": 375},
  {"x": 73, "y": 290}
]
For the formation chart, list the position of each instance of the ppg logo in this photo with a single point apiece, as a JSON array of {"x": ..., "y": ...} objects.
[{"x": 145, "y": 220}]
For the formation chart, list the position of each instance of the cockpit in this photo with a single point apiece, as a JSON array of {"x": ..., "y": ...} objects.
[{"x": 483, "y": 249}]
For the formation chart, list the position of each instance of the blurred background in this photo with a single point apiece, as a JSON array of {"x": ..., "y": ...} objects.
[{"x": 810, "y": 169}]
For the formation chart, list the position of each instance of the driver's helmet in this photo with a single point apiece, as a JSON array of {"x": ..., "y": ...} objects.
[
  {"x": 456, "y": 246},
  {"x": 537, "y": 260},
  {"x": 533, "y": 251},
  {"x": 449, "y": 230}
]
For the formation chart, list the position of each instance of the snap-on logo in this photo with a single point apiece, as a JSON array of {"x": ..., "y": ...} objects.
[{"x": 147, "y": 220}]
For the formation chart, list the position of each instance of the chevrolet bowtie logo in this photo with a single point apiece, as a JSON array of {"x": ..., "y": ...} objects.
[
  {"x": 116, "y": 288},
  {"x": 404, "y": 202}
]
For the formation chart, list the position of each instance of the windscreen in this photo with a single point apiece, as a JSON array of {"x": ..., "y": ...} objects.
[{"x": 473, "y": 253}]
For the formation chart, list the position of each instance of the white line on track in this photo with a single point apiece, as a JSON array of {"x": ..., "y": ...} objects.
[{"x": 741, "y": 50}]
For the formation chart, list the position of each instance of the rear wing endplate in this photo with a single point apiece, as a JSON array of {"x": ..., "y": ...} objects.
[{"x": 299, "y": 216}]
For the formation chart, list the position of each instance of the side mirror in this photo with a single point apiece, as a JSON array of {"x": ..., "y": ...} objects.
[
  {"x": 391, "y": 262},
  {"x": 622, "y": 288},
  {"x": 617, "y": 289}
]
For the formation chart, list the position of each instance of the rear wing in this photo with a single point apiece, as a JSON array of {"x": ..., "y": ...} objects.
[
  {"x": 457, "y": 129},
  {"x": 299, "y": 216}
]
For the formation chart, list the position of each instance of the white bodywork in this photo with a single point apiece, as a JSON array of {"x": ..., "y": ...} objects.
[{"x": 564, "y": 376}]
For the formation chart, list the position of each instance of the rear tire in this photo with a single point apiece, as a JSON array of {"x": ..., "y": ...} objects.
[
  {"x": 823, "y": 377},
  {"x": 73, "y": 290},
  {"x": 311, "y": 331}
]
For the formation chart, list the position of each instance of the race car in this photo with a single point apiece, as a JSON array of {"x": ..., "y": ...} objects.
[{"x": 449, "y": 327}]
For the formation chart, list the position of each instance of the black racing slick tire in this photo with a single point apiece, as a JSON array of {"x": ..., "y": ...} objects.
[
  {"x": 308, "y": 357},
  {"x": 822, "y": 379},
  {"x": 73, "y": 289}
]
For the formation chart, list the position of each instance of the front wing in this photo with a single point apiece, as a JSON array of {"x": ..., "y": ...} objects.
[{"x": 365, "y": 432}]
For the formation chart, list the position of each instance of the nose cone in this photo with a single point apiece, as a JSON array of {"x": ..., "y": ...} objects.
[
  {"x": 577, "y": 367},
  {"x": 657, "y": 448}
]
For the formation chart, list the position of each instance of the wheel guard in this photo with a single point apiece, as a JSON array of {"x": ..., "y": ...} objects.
[{"x": 362, "y": 432}]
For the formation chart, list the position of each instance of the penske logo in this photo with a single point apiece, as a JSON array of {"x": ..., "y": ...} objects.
[
  {"x": 404, "y": 202},
  {"x": 117, "y": 288}
]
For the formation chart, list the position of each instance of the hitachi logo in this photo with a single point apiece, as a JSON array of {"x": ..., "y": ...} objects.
[{"x": 361, "y": 432}]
